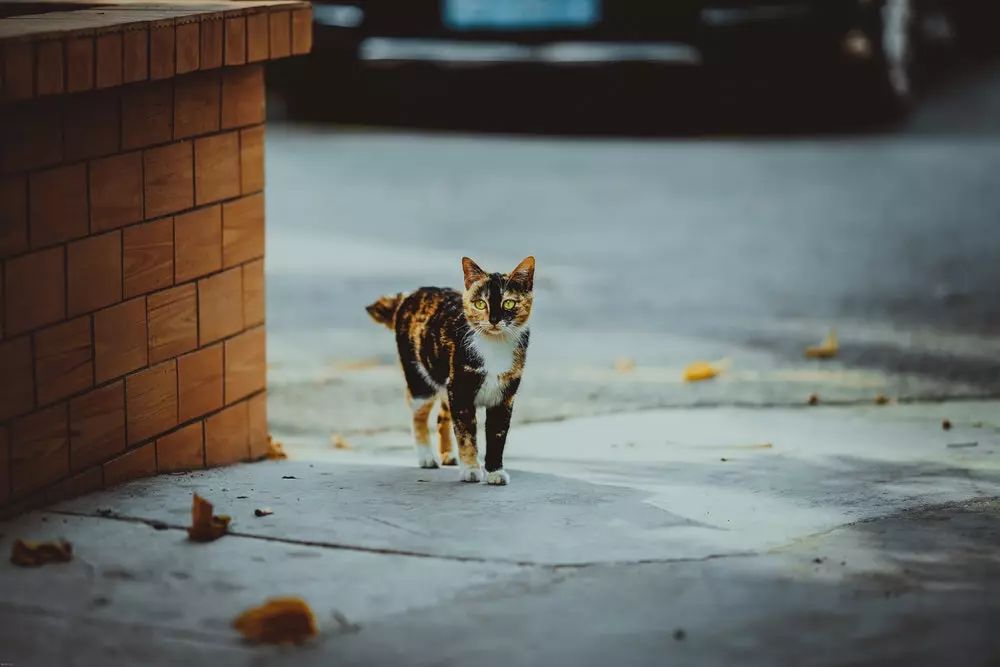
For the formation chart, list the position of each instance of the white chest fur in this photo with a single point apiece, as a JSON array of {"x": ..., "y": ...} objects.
[{"x": 498, "y": 358}]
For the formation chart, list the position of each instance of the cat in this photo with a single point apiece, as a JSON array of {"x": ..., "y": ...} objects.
[{"x": 469, "y": 349}]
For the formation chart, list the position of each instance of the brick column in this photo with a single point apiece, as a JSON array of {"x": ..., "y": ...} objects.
[{"x": 132, "y": 335}]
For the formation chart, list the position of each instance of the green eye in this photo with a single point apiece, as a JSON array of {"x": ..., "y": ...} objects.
[
  {"x": 479, "y": 304},
  {"x": 508, "y": 304}
]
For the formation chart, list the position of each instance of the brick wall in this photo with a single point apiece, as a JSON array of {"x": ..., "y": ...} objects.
[{"x": 131, "y": 261}]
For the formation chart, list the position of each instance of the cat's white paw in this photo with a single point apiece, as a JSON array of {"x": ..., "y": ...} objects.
[
  {"x": 425, "y": 458},
  {"x": 471, "y": 474},
  {"x": 498, "y": 477}
]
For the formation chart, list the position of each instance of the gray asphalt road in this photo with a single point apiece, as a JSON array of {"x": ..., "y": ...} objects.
[{"x": 658, "y": 250}]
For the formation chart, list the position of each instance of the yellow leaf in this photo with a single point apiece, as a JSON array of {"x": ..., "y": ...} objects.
[
  {"x": 278, "y": 621},
  {"x": 624, "y": 365},
  {"x": 825, "y": 350},
  {"x": 275, "y": 450},
  {"x": 32, "y": 554},
  {"x": 339, "y": 442},
  {"x": 205, "y": 526},
  {"x": 700, "y": 370}
]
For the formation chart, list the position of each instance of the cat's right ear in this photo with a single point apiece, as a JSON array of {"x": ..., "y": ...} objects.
[{"x": 472, "y": 272}]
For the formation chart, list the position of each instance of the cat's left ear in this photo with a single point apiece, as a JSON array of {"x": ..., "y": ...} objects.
[{"x": 524, "y": 274}]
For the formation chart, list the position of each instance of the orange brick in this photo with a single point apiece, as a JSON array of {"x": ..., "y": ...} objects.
[
  {"x": 227, "y": 436},
  {"x": 63, "y": 361},
  {"x": 220, "y": 305},
  {"x": 196, "y": 104},
  {"x": 184, "y": 449},
  {"x": 87, "y": 481},
  {"x": 148, "y": 257},
  {"x": 14, "y": 215},
  {"x": 246, "y": 365},
  {"x": 95, "y": 272},
  {"x": 242, "y": 96},
  {"x": 18, "y": 70},
  {"x": 4, "y": 471},
  {"x": 200, "y": 382},
  {"x": 115, "y": 191},
  {"x": 31, "y": 136},
  {"x": 92, "y": 126},
  {"x": 137, "y": 463},
  {"x": 50, "y": 76},
  {"x": 211, "y": 42},
  {"x": 17, "y": 391},
  {"x": 135, "y": 55},
  {"x": 161, "y": 51},
  {"x": 257, "y": 35},
  {"x": 302, "y": 31},
  {"x": 120, "y": 339},
  {"x": 236, "y": 40},
  {"x": 252, "y": 159},
  {"x": 198, "y": 243},
  {"x": 151, "y": 401},
  {"x": 242, "y": 230},
  {"x": 58, "y": 209},
  {"x": 253, "y": 292},
  {"x": 173, "y": 322},
  {"x": 168, "y": 172},
  {"x": 280, "y": 24},
  {"x": 39, "y": 449},
  {"x": 147, "y": 114},
  {"x": 188, "y": 47},
  {"x": 97, "y": 425},
  {"x": 45, "y": 302},
  {"x": 258, "y": 432},
  {"x": 79, "y": 64},
  {"x": 108, "y": 73},
  {"x": 216, "y": 167}
]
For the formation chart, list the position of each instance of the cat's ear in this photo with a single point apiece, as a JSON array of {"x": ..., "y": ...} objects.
[
  {"x": 472, "y": 272},
  {"x": 524, "y": 274}
]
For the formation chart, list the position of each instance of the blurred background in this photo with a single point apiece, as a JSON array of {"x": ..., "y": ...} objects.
[{"x": 721, "y": 180}]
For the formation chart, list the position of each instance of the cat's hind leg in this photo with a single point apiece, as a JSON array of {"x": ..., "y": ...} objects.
[
  {"x": 421, "y": 407},
  {"x": 445, "y": 449}
]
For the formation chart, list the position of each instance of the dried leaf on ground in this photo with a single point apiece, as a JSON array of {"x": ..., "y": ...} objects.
[
  {"x": 263, "y": 511},
  {"x": 32, "y": 554},
  {"x": 700, "y": 370},
  {"x": 206, "y": 526},
  {"x": 946, "y": 424},
  {"x": 624, "y": 365},
  {"x": 881, "y": 399},
  {"x": 278, "y": 621},
  {"x": 813, "y": 399},
  {"x": 339, "y": 442},
  {"x": 275, "y": 450},
  {"x": 825, "y": 350}
]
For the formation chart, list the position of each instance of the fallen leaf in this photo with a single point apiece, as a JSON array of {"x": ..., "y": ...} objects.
[
  {"x": 339, "y": 442},
  {"x": 813, "y": 399},
  {"x": 206, "y": 526},
  {"x": 275, "y": 450},
  {"x": 278, "y": 621},
  {"x": 881, "y": 399},
  {"x": 825, "y": 350},
  {"x": 700, "y": 370},
  {"x": 263, "y": 512},
  {"x": 946, "y": 424},
  {"x": 32, "y": 554},
  {"x": 624, "y": 365}
]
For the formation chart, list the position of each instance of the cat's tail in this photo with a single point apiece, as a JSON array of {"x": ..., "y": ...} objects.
[{"x": 384, "y": 310}]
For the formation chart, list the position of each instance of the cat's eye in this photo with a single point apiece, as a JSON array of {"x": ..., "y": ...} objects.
[
  {"x": 479, "y": 304},
  {"x": 508, "y": 304}
]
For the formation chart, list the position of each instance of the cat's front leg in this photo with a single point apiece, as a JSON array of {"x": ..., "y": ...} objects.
[
  {"x": 497, "y": 425},
  {"x": 463, "y": 415}
]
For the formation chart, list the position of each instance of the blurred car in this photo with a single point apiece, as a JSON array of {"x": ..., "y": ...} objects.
[{"x": 875, "y": 46}]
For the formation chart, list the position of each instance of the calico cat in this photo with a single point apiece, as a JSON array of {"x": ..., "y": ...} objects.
[{"x": 468, "y": 348}]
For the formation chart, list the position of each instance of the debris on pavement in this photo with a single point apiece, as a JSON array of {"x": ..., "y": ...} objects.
[
  {"x": 825, "y": 350},
  {"x": 961, "y": 445},
  {"x": 624, "y": 365},
  {"x": 946, "y": 424},
  {"x": 278, "y": 621},
  {"x": 679, "y": 634},
  {"x": 289, "y": 477},
  {"x": 275, "y": 450},
  {"x": 813, "y": 399},
  {"x": 27, "y": 553},
  {"x": 205, "y": 526},
  {"x": 339, "y": 442},
  {"x": 263, "y": 511},
  {"x": 700, "y": 370},
  {"x": 881, "y": 399}
]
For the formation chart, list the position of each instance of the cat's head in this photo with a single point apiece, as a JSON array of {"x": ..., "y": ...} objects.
[{"x": 498, "y": 304}]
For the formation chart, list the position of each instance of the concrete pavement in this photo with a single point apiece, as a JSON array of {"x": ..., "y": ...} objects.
[{"x": 858, "y": 536}]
